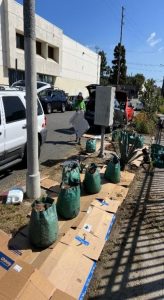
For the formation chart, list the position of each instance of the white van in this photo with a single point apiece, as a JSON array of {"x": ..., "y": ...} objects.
[
  {"x": 13, "y": 133},
  {"x": 40, "y": 85}
]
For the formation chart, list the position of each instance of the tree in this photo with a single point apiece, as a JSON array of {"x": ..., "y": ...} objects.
[
  {"x": 139, "y": 80},
  {"x": 150, "y": 97},
  {"x": 119, "y": 51},
  {"x": 162, "y": 90},
  {"x": 104, "y": 69},
  {"x": 136, "y": 81}
]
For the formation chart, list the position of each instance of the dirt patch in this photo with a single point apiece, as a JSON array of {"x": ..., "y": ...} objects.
[{"x": 131, "y": 264}]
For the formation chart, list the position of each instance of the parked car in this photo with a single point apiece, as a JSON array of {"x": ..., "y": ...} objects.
[
  {"x": 54, "y": 99},
  {"x": 71, "y": 102},
  {"x": 139, "y": 106},
  {"x": 122, "y": 114},
  {"x": 13, "y": 133},
  {"x": 20, "y": 84}
]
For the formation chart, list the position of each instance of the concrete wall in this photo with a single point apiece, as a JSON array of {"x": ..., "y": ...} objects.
[{"x": 73, "y": 67}]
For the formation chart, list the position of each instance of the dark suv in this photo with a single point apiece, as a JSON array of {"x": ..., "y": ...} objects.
[
  {"x": 53, "y": 99},
  {"x": 122, "y": 114}
]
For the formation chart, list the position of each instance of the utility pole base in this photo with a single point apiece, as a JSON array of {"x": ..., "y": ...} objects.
[
  {"x": 101, "y": 155},
  {"x": 33, "y": 186}
]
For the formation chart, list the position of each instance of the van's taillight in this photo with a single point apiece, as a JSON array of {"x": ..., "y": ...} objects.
[{"x": 45, "y": 122}]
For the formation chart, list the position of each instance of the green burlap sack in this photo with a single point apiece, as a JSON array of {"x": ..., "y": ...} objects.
[
  {"x": 91, "y": 146},
  {"x": 71, "y": 174},
  {"x": 68, "y": 203},
  {"x": 92, "y": 180},
  {"x": 43, "y": 226},
  {"x": 112, "y": 172}
]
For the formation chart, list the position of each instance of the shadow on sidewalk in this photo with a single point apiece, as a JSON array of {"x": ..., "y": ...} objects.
[{"x": 132, "y": 266}]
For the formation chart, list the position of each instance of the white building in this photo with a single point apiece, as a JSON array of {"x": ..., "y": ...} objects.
[{"x": 59, "y": 59}]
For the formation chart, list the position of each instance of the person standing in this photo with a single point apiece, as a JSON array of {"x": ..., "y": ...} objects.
[
  {"x": 79, "y": 107},
  {"x": 79, "y": 103}
]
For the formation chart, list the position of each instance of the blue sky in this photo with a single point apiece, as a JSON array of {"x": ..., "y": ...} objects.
[{"x": 96, "y": 23}]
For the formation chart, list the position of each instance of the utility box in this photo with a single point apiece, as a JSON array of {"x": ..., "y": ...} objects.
[{"x": 104, "y": 105}]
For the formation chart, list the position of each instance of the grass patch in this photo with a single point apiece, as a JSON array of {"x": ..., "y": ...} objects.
[{"x": 13, "y": 217}]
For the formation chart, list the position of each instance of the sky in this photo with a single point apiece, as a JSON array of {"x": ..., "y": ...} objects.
[{"x": 96, "y": 25}]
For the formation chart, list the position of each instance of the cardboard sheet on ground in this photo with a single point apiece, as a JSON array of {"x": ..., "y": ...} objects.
[
  {"x": 67, "y": 269},
  {"x": 109, "y": 190},
  {"x": 126, "y": 178},
  {"x": 65, "y": 225},
  {"x": 86, "y": 243},
  {"x": 97, "y": 222},
  {"x": 91, "y": 136},
  {"x": 137, "y": 161},
  {"x": 51, "y": 185},
  {"x": 59, "y": 295},
  {"x": 41, "y": 257},
  {"x": 117, "y": 192},
  {"x": 85, "y": 202},
  {"x": 22, "y": 281},
  {"x": 79, "y": 123},
  {"x": 20, "y": 242},
  {"x": 106, "y": 204},
  {"x": 4, "y": 238},
  {"x": 7, "y": 256},
  {"x": 18, "y": 279}
]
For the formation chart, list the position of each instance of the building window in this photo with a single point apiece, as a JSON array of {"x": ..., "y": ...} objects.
[
  {"x": 15, "y": 75},
  {"x": 56, "y": 54},
  {"x": 45, "y": 78},
  {"x": 19, "y": 41},
  {"x": 39, "y": 48},
  {"x": 50, "y": 52}
]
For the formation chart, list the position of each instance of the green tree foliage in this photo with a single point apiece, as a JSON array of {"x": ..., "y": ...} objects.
[
  {"x": 104, "y": 69},
  {"x": 123, "y": 68},
  {"x": 136, "y": 81},
  {"x": 150, "y": 96},
  {"x": 162, "y": 90},
  {"x": 139, "y": 80}
]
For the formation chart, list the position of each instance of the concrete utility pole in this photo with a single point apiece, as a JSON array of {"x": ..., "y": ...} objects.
[
  {"x": 119, "y": 57},
  {"x": 33, "y": 175}
]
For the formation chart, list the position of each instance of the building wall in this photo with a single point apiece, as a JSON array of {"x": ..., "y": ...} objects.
[
  {"x": 3, "y": 51},
  {"x": 45, "y": 33},
  {"x": 80, "y": 67},
  {"x": 74, "y": 66}
]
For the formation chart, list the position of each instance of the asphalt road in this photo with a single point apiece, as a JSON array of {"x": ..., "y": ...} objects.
[
  {"x": 60, "y": 138},
  {"x": 60, "y": 144}
]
